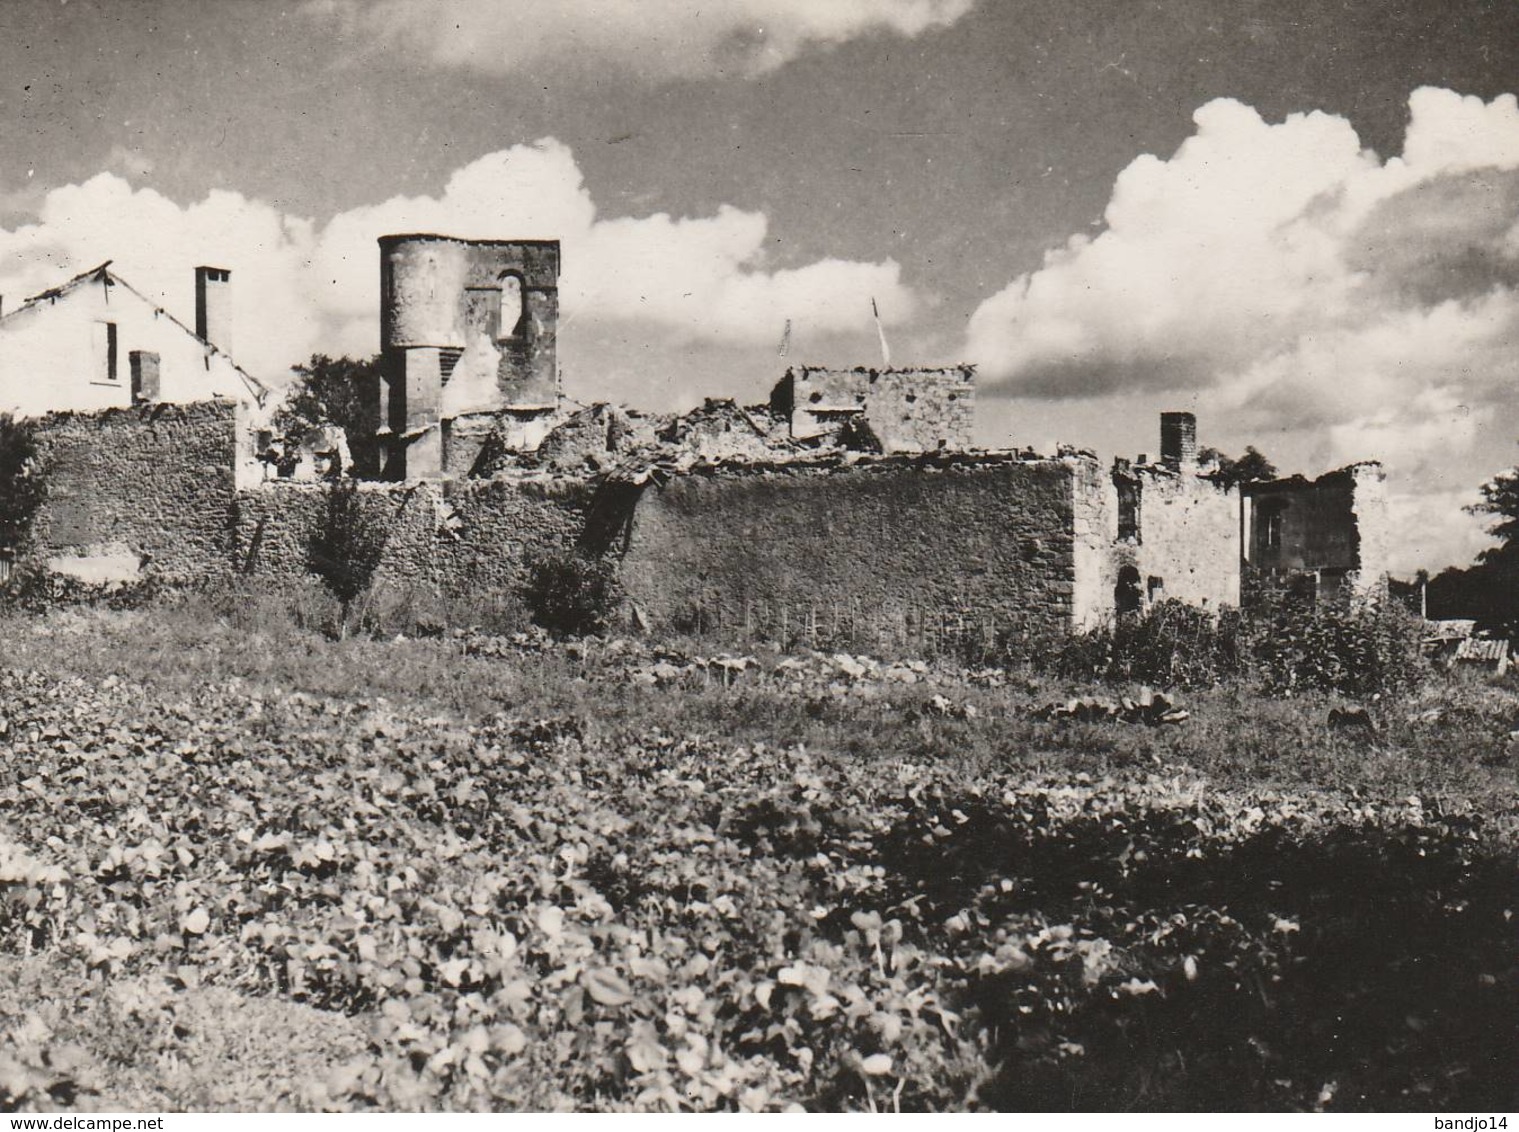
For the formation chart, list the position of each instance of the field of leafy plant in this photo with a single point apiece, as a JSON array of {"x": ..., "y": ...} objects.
[{"x": 269, "y": 870}]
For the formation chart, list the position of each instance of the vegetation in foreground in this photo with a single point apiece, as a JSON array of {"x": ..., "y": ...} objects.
[{"x": 496, "y": 873}]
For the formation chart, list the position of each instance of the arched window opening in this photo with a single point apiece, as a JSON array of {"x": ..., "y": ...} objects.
[{"x": 513, "y": 315}]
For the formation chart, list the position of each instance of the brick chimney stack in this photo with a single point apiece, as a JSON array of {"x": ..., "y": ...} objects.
[
  {"x": 1178, "y": 440},
  {"x": 213, "y": 306}
]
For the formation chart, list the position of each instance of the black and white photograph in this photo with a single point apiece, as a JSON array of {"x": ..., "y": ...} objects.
[{"x": 784, "y": 556}]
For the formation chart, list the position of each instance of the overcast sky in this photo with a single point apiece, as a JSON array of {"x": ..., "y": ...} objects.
[{"x": 1297, "y": 218}]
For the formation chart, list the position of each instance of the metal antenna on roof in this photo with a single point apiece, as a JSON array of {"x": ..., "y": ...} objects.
[{"x": 881, "y": 333}]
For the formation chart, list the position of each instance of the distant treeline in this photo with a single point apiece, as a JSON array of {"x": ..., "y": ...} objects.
[{"x": 1487, "y": 593}]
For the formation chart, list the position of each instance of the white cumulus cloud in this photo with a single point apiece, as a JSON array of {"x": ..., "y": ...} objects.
[
  {"x": 652, "y": 39},
  {"x": 1310, "y": 295},
  {"x": 299, "y": 287}
]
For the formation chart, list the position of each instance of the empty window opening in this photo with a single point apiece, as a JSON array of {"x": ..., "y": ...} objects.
[
  {"x": 1331, "y": 582},
  {"x": 1155, "y": 588},
  {"x": 1127, "y": 595},
  {"x": 143, "y": 365},
  {"x": 1128, "y": 510},
  {"x": 513, "y": 315},
  {"x": 105, "y": 353},
  {"x": 1271, "y": 524},
  {"x": 1305, "y": 587}
]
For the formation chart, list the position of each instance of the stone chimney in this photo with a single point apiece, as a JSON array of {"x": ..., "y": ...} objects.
[
  {"x": 213, "y": 306},
  {"x": 1178, "y": 440}
]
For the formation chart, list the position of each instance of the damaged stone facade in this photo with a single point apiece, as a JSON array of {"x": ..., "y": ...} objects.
[
  {"x": 467, "y": 333},
  {"x": 769, "y": 541},
  {"x": 147, "y": 491},
  {"x": 852, "y": 503},
  {"x": 881, "y": 548},
  {"x": 1328, "y": 538},
  {"x": 458, "y": 539},
  {"x": 173, "y": 493},
  {"x": 907, "y": 410},
  {"x": 1175, "y": 527},
  {"x": 590, "y": 440}
]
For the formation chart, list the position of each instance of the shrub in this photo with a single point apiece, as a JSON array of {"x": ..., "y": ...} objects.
[
  {"x": 36, "y": 590},
  {"x": 1354, "y": 650},
  {"x": 1178, "y": 645},
  {"x": 346, "y": 548},
  {"x": 570, "y": 593},
  {"x": 1288, "y": 647},
  {"x": 20, "y": 490},
  {"x": 1171, "y": 644}
]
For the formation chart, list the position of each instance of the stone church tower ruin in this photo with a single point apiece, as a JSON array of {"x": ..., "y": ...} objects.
[{"x": 467, "y": 335}]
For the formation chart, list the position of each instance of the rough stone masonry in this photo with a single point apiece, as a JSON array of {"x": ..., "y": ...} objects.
[{"x": 851, "y": 502}]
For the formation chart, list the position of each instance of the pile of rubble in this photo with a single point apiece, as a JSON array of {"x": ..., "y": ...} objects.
[
  {"x": 804, "y": 673},
  {"x": 1152, "y": 709}
]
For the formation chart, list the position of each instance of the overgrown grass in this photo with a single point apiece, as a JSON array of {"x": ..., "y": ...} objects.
[
  {"x": 654, "y": 883},
  {"x": 629, "y": 875},
  {"x": 1451, "y": 736}
]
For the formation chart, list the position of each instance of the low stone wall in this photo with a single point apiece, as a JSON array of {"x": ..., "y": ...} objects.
[
  {"x": 888, "y": 549},
  {"x": 153, "y": 484},
  {"x": 494, "y": 529},
  {"x": 457, "y": 539}
]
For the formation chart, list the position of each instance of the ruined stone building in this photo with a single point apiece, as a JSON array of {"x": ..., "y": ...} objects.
[
  {"x": 903, "y": 410},
  {"x": 1184, "y": 531},
  {"x": 1325, "y": 538},
  {"x": 467, "y": 334},
  {"x": 116, "y": 384},
  {"x": 852, "y": 502}
]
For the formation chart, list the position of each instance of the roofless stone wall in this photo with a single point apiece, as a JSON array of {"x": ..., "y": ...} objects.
[
  {"x": 891, "y": 549},
  {"x": 151, "y": 492},
  {"x": 146, "y": 491},
  {"x": 885, "y": 548},
  {"x": 472, "y": 537}
]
